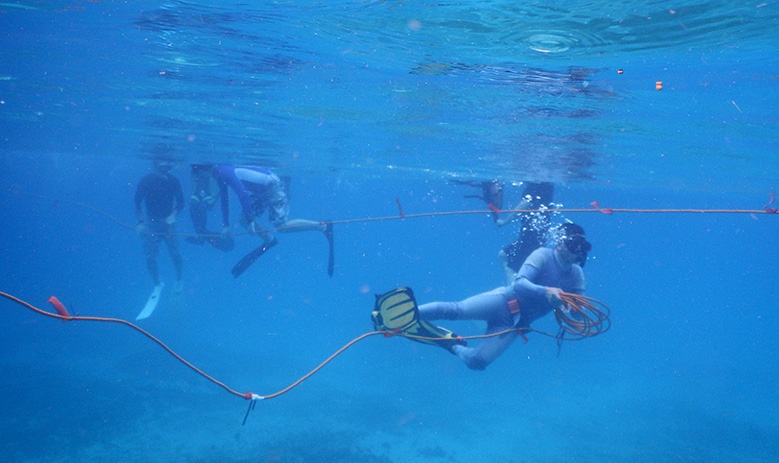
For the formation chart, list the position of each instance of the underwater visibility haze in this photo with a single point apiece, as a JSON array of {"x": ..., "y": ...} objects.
[{"x": 383, "y": 120}]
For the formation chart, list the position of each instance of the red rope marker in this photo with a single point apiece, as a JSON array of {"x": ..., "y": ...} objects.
[
  {"x": 59, "y": 308},
  {"x": 770, "y": 210},
  {"x": 593, "y": 322},
  {"x": 400, "y": 208},
  {"x": 605, "y": 211}
]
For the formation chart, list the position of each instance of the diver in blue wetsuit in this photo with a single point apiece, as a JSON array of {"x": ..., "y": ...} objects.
[
  {"x": 534, "y": 293},
  {"x": 163, "y": 199},
  {"x": 259, "y": 189}
]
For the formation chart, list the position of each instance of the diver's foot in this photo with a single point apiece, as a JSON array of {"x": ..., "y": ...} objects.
[
  {"x": 459, "y": 349},
  {"x": 178, "y": 287},
  {"x": 329, "y": 231}
]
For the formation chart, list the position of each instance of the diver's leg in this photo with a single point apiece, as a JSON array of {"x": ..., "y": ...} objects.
[
  {"x": 198, "y": 212},
  {"x": 483, "y": 306},
  {"x": 171, "y": 240},
  {"x": 298, "y": 225},
  {"x": 477, "y": 358},
  {"x": 278, "y": 214},
  {"x": 151, "y": 247},
  {"x": 507, "y": 270}
]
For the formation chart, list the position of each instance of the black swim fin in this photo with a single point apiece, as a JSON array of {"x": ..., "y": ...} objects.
[
  {"x": 250, "y": 258},
  {"x": 221, "y": 242}
]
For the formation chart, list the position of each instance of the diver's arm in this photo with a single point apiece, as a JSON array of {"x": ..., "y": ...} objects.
[
  {"x": 524, "y": 281},
  {"x": 523, "y": 205},
  {"x": 244, "y": 196},
  {"x": 178, "y": 196},
  {"x": 140, "y": 195},
  {"x": 529, "y": 272}
]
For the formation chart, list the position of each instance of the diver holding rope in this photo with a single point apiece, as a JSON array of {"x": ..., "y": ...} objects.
[{"x": 547, "y": 276}]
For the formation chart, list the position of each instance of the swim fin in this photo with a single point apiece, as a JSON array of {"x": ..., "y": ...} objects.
[
  {"x": 397, "y": 311},
  {"x": 222, "y": 242},
  {"x": 250, "y": 258}
]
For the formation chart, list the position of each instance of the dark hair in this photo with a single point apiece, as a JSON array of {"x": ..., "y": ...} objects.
[
  {"x": 540, "y": 193},
  {"x": 568, "y": 230}
]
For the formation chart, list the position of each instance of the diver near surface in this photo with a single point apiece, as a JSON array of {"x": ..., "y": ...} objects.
[
  {"x": 258, "y": 189},
  {"x": 491, "y": 194},
  {"x": 533, "y": 294},
  {"x": 534, "y": 227},
  {"x": 205, "y": 194},
  {"x": 163, "y": 199}
]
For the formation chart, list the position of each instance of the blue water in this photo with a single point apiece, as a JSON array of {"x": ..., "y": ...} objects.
[{"x": 362, "y": 103}]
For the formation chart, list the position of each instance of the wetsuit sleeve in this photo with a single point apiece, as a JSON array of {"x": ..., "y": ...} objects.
[
  {"x": 528, "y": 273},
  {"x": 523, "y": 205},
  {"x": 140, "y": 194},
  {"x": 227, "y": 177}
]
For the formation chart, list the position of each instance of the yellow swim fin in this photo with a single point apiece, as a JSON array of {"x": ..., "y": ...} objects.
[{"x": 396, "y": 311}]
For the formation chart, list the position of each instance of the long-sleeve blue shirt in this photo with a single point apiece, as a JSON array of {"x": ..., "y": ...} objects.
[{"x": 540, "y": 271}]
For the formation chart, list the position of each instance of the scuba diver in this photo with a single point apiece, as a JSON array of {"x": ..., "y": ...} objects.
[
  {"x": 491, "y": 194},
  {"x": 534, "y": 293},
  {"x": 534, "y": 227},
  {"x": 161, "y": 193},
  {"x": 205, "y": 194},
  {"x": 258, "y": 189}
]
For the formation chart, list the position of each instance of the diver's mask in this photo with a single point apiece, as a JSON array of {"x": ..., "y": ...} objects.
[{"x": 578, "y": 245}]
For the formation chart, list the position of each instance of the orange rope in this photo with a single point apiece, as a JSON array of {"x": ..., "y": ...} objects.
[
  {"x": 402, "y": 215},
  {"x": 66, "y": 318},
  {"x": 591, "y": 317},
  {"x": 576, "y": 301}
]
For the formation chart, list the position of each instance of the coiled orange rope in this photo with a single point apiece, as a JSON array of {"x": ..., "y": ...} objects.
[
  {"x": 586, "y": 306},
  {"x": 581, "y": 317}
]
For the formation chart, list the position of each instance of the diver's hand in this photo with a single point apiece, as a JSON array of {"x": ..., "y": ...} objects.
[
  {"x": 226, "y": 232},
  {"x": 255, "y": 228},
  {"x": 171, "y": 219},
  {"x": 141, "y": 229},
  {"x": 553, "y": 295}
]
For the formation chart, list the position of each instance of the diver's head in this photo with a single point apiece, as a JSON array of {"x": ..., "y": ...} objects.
[
  {"x": 572, "y": 243},
  {"x": 163, "y": 166},
  {"x": 202, "y": 170},
  {"x": 202, "y": 167},
  {"x": 540, "y": 193}
]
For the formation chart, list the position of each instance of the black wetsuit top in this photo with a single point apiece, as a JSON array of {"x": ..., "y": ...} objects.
[
  {"x": 159, "y": 192},
  {"x": 534, "y": 227}
]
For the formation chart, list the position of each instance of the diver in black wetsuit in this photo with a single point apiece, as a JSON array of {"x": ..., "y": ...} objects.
[
  {"x": 163, "y": 199},
  {"x": 534, "y": 227},
  {"x": 205, "y": 194},
  {"x": 491, "y": 194}
]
